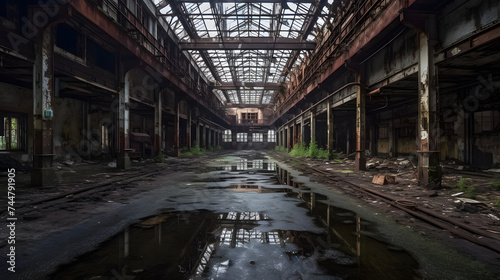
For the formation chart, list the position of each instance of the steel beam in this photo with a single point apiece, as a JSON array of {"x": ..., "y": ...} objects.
[
  {"x": 331, "y": 134},
  {"x": 248, "y": 43},
  {"x": 428, "y": 120},
  {"x": 158, "y": 122},
  {"x": 244, "y": 85},
  {"x": 360, "y": 160},
  {"x": 123, "y": 160},
  {"x": 43, "y": 174},
  {"x": 247, "y": 1},
  {"x": 176, "y": 135}
]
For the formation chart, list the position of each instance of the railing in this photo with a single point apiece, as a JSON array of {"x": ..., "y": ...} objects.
[
  {"x": 352, "y": 18},
  {"x": 136, "y": 30},
  {"x": 246, "y": 122}
]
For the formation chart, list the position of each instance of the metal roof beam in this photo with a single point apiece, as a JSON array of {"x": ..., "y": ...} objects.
[
  {"x": 247, "y": 1},
  {"x": 244, "y": 85},
  {"x": 309, "y": 27},
  {"x": 248, "y": 44}
]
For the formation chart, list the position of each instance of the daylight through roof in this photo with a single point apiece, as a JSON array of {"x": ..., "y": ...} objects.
[{"x": 245, "y": 49}]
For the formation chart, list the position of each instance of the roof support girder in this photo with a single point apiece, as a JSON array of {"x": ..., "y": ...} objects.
[{"x": 248, "y": 43}]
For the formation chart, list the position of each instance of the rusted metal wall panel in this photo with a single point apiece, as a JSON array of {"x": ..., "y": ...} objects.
[{"x": 461, "y": 19}]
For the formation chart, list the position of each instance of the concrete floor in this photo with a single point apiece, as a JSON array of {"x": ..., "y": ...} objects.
[{"x": 239, "y": 193}]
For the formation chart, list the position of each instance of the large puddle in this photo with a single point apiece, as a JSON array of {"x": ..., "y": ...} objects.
[{"x": 248, "y": 219}]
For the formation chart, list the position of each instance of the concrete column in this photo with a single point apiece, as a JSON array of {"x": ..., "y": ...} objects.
[
  {"x": 158, "y": 122},
  {"x": 123, "y": 160},
  {"x": 428, "y": 120},
  {"x": 289, "y": 139},
  {"x": 392, "y": 146},
  {"x": 313, "y": 128},
  {"x": 209, "y": 137},
  {"x": 360, "y": 160},
  {"x": 233, "y": 139},
  {"x": 203, "y": 143},
  {"x": 295, "y": 135},
  {"x": 189, "y": 120},
  {"x": 43, "y": 174},
  {"x": 331, "y": 134},
  {"x": 177, "y": 150},
  {"x": 302, "y": 129}
]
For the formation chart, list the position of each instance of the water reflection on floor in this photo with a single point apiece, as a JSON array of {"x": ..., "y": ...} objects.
[{"x": 253, "y": 244}]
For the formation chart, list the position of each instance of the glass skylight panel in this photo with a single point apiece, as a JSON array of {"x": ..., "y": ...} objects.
[{"x": 207, "y": 20}]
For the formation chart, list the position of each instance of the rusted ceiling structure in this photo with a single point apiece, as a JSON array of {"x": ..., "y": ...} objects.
[{"x": 246, "y": 49}]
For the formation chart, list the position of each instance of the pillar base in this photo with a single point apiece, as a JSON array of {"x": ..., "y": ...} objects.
[
  {"x": 360, "y": 163},
  {"x": 123, "y": 161},
  {"x": 43, "y": 177},
  {"x": 177, "y": 152}
]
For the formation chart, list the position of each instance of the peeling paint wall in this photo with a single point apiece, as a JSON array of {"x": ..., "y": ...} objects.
[
  {"x": 461, "y": 19},
  {"x": 393, "y": 58},
  {"x": 69, "y": 133}
]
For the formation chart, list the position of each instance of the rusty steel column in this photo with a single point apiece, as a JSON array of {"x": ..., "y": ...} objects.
[
  {"x": 188, "y": 129},
  {"x": 177, "y": 150},
  {"x": 203, "y": 143},
  {"x": 209, "y": 137},
  {"x": 294, "y": 133},
  {"x": 43, "y": 174},
  {"x": 158, "y": 122},
  {"x": 313, "y": 128},
  {"x": 279, "y": 138},
  {"x": 302, "y": 129},
  {"x": 233, "y": 139},
  {"x": 428, "y": 121},
  {"x": 289, "y": 140},
  {"x": 123, "y": 160},
  {"x": 331, "y": 135},
  {"x": 360, "y": 160},
  {"x": 197, "y": 136}
]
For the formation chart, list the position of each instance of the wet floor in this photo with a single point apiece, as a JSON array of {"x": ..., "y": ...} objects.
[{"x": 248, "y": 218}]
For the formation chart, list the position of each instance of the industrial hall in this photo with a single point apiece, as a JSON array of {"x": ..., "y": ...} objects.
[{"x": 274, "y": 139}]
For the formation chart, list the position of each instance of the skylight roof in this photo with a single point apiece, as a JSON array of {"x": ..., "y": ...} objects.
[{"x": 245, "y": 42}]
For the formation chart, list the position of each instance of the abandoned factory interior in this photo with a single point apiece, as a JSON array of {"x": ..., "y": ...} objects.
[{"x": 273, "y": 139}]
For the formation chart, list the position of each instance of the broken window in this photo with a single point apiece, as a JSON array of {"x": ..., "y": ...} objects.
[
  {"x": 271, "y": 136},
  {"x": 486, "y": 121},
  {"x": 70, "y": 40},
  {"x": 11, "y": 132},
  {"x": 227, "y": 136},
  {"x": 241, "y": 137},
  {"x": 383, "y": 132},
  {"x": 249, "y": 116},
  {"x": 257, "y": 137}
]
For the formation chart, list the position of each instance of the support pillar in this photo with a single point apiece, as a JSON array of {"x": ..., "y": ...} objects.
[
  {"x": 295, "y": 134},
  {"x": 177, "y": 150},
  {"x": 360, "y": 160},
  {"x": 302, "y": 129},
  {"x": 313, "y": 128},
  {"x": 43, "y": 174},
  {"x": 123, "y": 160},
  {"x": 203, "y": 143},
  {"x": 197, "y": 136},
  {"x": 188, "y": 136},
  {"x": 209, "y": 137},
  {"x": 331, "y": 135},
  {"x": 289, "y": 139},
  {"x": 158, "y": 123},
  {"x": 428, "y": 138},
  {"x": 233, "y": 139}
]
